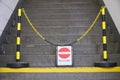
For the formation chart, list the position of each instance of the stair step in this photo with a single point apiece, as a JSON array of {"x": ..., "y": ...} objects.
[
  {"x": 61, "y": 23},
  {"x": 59, "y": 2},
  {"x": 62, "y": 18},
  {"x": 86, "y": 48},
  {"x": 49, "y": 60},
  {"x": 63, "y": 5},
  {"x": 62, "y": 12},
  {"x": 59, "y": 40},
  {"x": 60, "y": 76},
  {"x": 57, "y": 12},
  {"x": 48, "y": 49},
  {"x": 62, "y": 34}
]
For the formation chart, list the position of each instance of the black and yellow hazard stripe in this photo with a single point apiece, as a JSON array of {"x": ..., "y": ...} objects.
[
  {"x": 18, "y": 38},
  {"x": 104, "y": 38}
]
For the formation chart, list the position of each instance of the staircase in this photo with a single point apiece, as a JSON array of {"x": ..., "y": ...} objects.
[{"x": 61, "y": 22}]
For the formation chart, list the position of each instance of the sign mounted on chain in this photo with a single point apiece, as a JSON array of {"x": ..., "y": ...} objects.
[{"x": 64, "y": 56}]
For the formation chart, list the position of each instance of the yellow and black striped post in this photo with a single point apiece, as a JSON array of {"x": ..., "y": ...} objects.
[
  {"x": 104, "y": 37},
  {"x": 18, "y": 63},
  {"x": 105, "y": 62},
  {"x": 18, "y": 39}
]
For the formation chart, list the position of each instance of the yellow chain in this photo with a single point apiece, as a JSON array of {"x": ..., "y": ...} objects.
[
  {"x": 43, "y": 38},
  {"x": 32, "y": 26},
  {"x": 91, "y": 26}
]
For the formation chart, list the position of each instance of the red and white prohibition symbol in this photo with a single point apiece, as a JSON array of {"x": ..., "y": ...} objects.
[
  {"x": 64, "y": 55},
  {"x": 64, "y": 52}
]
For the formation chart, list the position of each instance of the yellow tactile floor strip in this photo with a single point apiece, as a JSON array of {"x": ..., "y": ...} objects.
[{"x": 59, "y": 70}]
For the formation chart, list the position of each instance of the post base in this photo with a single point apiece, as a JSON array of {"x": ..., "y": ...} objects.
[
  {"x": 105, "y": 64},
  {"x": 18, "y": 65}
]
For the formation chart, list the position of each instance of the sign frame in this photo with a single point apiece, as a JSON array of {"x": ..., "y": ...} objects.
[{"x": 58, "y": 56}]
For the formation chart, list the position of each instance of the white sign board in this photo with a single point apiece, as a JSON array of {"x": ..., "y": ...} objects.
[{"x": 64, "y": 56}]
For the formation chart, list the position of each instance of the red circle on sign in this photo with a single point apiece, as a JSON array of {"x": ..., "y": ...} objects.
[
  {"x": 66, "y": 53},
  {"x": 64, "y": 50}
]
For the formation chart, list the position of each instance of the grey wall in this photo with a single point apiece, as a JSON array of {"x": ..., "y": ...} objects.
[
  {"x": 6, "y": 9},
  {"x": 113, "y": 7}
]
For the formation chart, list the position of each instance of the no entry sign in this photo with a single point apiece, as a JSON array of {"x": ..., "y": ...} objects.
[{"x": 64, "y": 55}]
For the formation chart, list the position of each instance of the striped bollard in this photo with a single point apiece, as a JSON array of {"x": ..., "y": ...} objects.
[
  {"x": 18, "y": 63},
  {"x": 105, "y": 62},
  {"x": 18, "y": 39}
]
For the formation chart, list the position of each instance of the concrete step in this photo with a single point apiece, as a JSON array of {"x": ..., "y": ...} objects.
[
  {"x": 60, "y": 76},
  {"x": 48, "y": 49},
  {"x": 67, "y": 12},
  {"x": 63, "y": 18},
  {"x": 60, "y": 2},
  {"x": 59, "y": 24},
  {"x": 49, "y": 60},
  {"x": 56, "y": 34},
  {"x": 61, "y": 31},
  {"x": 62, "y": 5}
]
